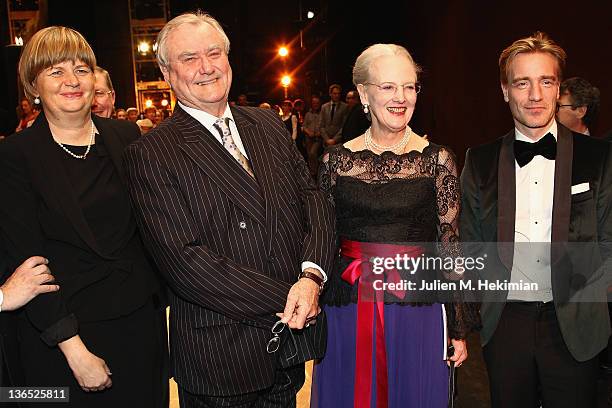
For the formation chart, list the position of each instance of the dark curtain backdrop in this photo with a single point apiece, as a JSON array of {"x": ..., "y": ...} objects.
[
  {"x": 106, "y": 26},
  {"x": 456, "y": 42},
  {"x": 458, "y": 45}
]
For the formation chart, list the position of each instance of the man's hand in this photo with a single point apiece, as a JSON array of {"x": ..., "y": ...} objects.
[
  {"x": 28, "y": 281},
  {"x": 302, "y": 302},
  {"x": 90, "y": 371}
]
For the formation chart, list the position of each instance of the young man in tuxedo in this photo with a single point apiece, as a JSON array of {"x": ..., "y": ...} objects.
[
  {"x": 535, "y": 193},
  {"x": 238, "y": 228}
]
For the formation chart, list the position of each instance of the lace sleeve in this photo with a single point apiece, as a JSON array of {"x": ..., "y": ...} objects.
[
  {"x": 327, "y": 175},
  {"x": 462, "y": 315},
  {"x": 448, "y": 203}
]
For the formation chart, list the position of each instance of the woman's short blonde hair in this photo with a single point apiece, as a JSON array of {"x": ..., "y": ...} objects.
[
  {"x": 361, "y": 70},
  {"x": 50, "y": 46}
]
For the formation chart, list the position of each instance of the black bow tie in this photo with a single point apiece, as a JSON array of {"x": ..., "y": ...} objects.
[{"x": 546, "y": 147}]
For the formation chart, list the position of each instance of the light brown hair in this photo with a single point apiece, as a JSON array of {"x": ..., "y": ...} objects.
[
  {"x": 50, "y": 46},
  {"x": 538, "y": 42}
]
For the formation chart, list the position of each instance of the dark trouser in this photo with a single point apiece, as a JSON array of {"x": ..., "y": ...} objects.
[
  {"x": 528, "y": 362},
  {"x": 280, "y": 395}
]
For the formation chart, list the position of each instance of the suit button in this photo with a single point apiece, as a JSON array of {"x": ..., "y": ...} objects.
[
  {"x": 293, "y": 202},
  {"x": 242, "y": 225},
  {"x": 271, "y": 259}
]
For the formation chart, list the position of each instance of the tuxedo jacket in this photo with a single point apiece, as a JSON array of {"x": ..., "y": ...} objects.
[
  {"x": 41, "y": 215},
  {"x": 230, "y": 246},
  {"x": 488, "y": 216},
  {"x": 332, "y": 128}
]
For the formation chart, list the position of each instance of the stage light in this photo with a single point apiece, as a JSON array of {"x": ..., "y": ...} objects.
[{"x": 144, "y": 47}]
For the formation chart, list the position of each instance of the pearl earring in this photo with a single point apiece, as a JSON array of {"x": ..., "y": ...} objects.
[{"x": 366, "y": 108}]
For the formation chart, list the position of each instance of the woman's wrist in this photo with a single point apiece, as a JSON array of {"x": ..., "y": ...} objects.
[{"x": 72, "y": 348}]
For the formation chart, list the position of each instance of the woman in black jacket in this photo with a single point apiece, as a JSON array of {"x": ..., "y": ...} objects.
[{"x": 103, "y": 333}]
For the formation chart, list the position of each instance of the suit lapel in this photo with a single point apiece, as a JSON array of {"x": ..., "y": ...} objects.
[
  {"x": 562, "y": 190},
  {"x": 507, "y": 195},
  {"x": 57, "y": 187},
  {"x": 219, "y": 165},
  {"x": 506, "y": 200},
  {"x": 258, "y": 149},
  {"x": 113, "y": 142}
]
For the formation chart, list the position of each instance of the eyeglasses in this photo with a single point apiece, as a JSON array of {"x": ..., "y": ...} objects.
[
  {"x": 275, "y": 342},
  {"x": 102, "y": 94},
  {"x": 559, "y": 106},
  {"x": 389, "y": 88}
]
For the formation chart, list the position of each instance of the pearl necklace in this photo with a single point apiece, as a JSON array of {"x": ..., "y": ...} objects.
[
  {"x": 396, "y": 148},
  {"x": 91, "y": 142}
]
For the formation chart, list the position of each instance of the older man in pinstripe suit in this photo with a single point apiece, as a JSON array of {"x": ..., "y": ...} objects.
[{"x": 242, "y": 235}]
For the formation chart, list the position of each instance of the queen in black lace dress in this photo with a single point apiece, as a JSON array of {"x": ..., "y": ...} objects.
[{"x": 390, "y": 353}]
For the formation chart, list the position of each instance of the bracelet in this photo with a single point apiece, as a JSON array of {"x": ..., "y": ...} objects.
[{"x": 313, "y": 277}]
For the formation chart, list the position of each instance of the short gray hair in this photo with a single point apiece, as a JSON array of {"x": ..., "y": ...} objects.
[
  {"x": 361, "y": 70},
  {"x": 198, "y": 18}
]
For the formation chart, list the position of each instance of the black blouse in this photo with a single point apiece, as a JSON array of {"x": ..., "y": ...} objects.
[
  {"x": 410, "y": 198},
  {"x": 102, "y": 197}
]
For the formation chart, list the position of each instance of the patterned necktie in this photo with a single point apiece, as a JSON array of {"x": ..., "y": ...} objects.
[{"x": 228, "y": 142}]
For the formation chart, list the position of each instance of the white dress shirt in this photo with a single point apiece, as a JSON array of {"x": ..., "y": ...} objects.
[
  {"x": 535, "y": 183},
  {"x": 208, "y": 121}
]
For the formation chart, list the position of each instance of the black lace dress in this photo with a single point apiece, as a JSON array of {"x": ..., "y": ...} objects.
[{"x": 390, "y": 198}]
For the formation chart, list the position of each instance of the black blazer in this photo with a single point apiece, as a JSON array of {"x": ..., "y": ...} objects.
[
  {"x": 41, "y": 216},
  {"x": 488, "y": 215},
  {"x": 229, "y": 246}
]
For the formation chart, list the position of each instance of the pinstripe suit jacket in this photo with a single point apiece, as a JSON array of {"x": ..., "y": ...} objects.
[{"x": 229, "y": 246}]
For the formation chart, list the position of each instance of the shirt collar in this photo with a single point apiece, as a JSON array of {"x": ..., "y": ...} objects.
[
  {"x": 206, "y": 118},
  {"x": 520, "y": 136}
]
